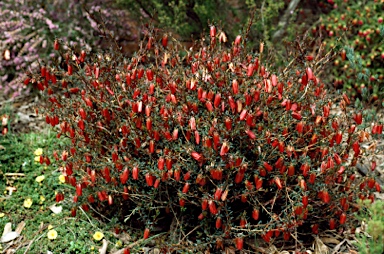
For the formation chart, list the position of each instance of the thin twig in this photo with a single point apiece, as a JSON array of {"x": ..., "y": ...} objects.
[
  {"x": 33, "y": 240},
  {"x": 305, "y": 92},
  {"x": 251, "y": 19},
  {"x": 190, "y": 232},
  {"x": 86, "y": 215},
  {"x": 99, "y": 213}
]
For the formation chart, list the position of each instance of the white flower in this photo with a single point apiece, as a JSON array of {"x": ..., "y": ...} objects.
[{"x": 52, "y": 234}]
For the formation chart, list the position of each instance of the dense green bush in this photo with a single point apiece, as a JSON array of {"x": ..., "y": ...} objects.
[
  {"x": 189, "y": 18},
  {"x": 357, "y": 29},
  {"x": 211, "y": 143}
]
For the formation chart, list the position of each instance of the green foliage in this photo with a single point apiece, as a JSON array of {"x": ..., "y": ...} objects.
[
  {"x": 186, "y": 18},
  {"x": 16, "y": 153},
  {"x": 371, "y": 240},
  {"x": 358, "y": 66},
  {"x": 74, "y": 235},
  {"x": 190, "y": 18},
  {"x": 267, "y": 16}
]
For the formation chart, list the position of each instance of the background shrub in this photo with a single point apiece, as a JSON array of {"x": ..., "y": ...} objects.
[
  {"x": 356, "y": 29},
  {"x": 189, "y": 18},
  {"x": 28, "y": 29},
  {"x": 210, "y": 142}
]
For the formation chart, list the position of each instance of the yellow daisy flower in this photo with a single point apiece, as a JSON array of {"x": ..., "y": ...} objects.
[
  {"x": 37, "y": 158},
  {"x": 52, "y": 234},
  {"x": 28, "y": 203},
  {"x": 98, "y": 236},
  {"x": 2, "y": 215},
  {"x": 38, "y": 152},
  {"x": 119, "y": 244},
  {"x": 39, "y": 179},
  {"x": 62, "y": 178}
]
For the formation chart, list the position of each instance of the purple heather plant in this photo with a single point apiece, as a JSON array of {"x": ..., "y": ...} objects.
[{"x": 28, "y": 29}]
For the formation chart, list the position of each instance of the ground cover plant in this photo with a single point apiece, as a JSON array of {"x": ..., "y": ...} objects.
[
  {"x": 372, "y": 217},
  {"x": 28, "y": 198},
  {"x": 28, "y": 188},
  {"x": 210, "y": 144}
]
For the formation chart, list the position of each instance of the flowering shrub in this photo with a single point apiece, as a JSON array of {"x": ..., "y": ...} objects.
[
  {"x": 358, "y": 68},
  {"x": 28, "y": 28},
  {"x": 210, "y": 138}
]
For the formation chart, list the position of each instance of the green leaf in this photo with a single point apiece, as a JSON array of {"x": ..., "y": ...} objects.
[
  {"x": 381, "y": 30},
  {"x": 360, "y": 75},
  {"x": 357, "y": 103}
]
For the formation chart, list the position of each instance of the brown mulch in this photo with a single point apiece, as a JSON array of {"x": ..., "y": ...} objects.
[{"x": 21, "y": 113}]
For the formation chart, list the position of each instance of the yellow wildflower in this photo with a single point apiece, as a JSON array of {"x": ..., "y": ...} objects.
[
  {"x": 39, "y": 179},
  {"x": 52, "y": 234},
  {"x": 2, "y": 215},
  {"x": 38, "y": 152},
  {"x": 98, "y": 236},
  {"x": 119, "y": 244},
  {"x": 62, "y": 178},
  {"x": 42, "y": 199},
  {"x": 37, "y": 158},
  {"x": 28, "y": 203},
  {"x": 50, "y": 227}
]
